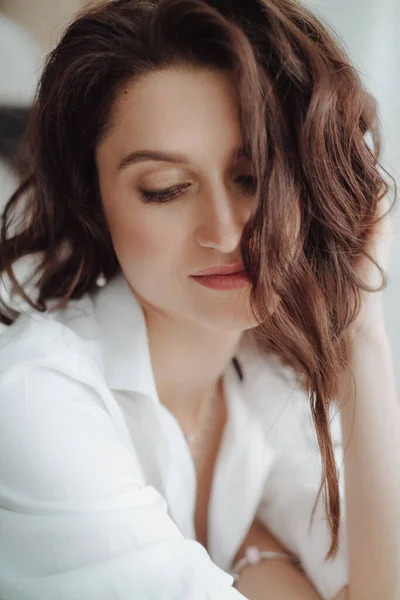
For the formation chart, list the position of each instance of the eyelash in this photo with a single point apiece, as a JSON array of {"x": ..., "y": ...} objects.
[
  {"x": 163, "y": 196},
  {"x": 168, "y": 194}
]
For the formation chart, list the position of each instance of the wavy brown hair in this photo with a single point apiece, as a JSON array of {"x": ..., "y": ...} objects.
[{"x": 305, "y": 117}]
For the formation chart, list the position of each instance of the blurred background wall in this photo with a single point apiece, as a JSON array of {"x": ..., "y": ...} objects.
[
  {"x": 42, "y": 18},
  {"x": 367, "y": 28}
]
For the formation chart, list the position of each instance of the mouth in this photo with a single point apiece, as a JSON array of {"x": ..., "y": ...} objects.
[
  {"x": 223, "y": 278},
  {"x": 221, "y": 270}
]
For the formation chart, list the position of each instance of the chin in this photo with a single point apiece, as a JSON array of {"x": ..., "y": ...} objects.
[{"x": 226, "y": 321}]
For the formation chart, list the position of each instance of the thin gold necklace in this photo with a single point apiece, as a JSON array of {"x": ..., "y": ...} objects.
[{"x": 199, "y": 437}]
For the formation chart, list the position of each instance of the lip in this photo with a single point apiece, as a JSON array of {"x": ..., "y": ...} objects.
[
  {"x": 221, "y": 270},
  {"x": 229, "y": 281}
]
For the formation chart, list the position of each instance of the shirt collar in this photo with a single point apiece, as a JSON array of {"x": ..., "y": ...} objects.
[{"x": 125, "y": 342}]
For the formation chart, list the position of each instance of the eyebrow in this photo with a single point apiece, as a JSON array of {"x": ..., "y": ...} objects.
[{"x": 173, "y": 157}]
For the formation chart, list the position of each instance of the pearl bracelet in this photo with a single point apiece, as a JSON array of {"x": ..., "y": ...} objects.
[{"x": 253, "y": 556}]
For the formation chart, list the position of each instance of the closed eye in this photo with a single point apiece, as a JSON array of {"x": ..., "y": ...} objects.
[
  {"x": 162, "y": 196},
  {"x": 247, "y": 182}
]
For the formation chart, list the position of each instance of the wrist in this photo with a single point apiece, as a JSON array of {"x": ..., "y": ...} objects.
[
  {"x": 254, "y": 556},
  {"x": 258, "y": 535}
]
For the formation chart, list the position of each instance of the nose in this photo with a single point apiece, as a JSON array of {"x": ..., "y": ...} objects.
[{"x": 222, "y": 218}]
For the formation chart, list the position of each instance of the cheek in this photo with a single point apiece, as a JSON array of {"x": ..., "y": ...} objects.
[{"x": 147, "y": 241}]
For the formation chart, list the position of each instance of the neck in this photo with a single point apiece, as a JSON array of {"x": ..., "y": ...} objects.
[{"x": 187, "y": 360}]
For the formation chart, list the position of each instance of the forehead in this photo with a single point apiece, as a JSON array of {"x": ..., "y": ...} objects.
[{"x": 187, "y": 111}]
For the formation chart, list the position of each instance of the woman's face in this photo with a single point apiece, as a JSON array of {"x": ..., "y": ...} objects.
[{"x": 191, "y": 116}]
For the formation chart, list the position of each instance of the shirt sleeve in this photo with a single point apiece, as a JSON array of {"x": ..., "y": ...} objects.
[
  {"x": 77, "y": 520},
  {"x": 291, "y": 491}
]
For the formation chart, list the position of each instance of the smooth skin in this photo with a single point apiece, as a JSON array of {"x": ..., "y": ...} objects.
[{"x": 193, "y": 115}]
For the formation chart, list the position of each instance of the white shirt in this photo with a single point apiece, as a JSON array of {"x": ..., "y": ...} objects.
[{"x": 97, "y": 483}]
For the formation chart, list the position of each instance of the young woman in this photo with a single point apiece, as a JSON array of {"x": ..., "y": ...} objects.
[{"x": 201, "y": 213}]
